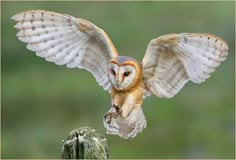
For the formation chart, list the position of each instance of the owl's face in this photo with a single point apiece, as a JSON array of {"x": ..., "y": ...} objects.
[{"x": 124, "y": 72}]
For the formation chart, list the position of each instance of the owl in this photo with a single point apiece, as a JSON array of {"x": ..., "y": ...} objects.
[{"x": 169, "y": 63}]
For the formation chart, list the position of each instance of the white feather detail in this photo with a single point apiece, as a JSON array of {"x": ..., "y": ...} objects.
[
  {"x": 48, "y": 36},
  {"x": 58, "y": 52},
  {"x": 39, "y": 31},
  {"x": 66, "y": 40},
  {"x": 41, "y": 14},
  {"x": 172, "y": 60}
]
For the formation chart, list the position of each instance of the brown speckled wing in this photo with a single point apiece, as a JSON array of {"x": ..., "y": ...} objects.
[
  {"x": 172, "y": 60},
  {"x": 66, "y": 40}
]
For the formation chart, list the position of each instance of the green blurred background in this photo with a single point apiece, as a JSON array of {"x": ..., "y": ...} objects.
[{"x": 43, "y": 102}]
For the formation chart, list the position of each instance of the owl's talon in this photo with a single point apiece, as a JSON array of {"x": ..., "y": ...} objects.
[
  {"x": 117, "y": 108},
  {"x": 109, "y": 115}
]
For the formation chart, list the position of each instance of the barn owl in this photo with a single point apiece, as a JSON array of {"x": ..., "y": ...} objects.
[{"x": 169, "y": 63}]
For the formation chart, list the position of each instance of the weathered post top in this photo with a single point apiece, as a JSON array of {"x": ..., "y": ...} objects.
[{"x": 84, "y": 143}]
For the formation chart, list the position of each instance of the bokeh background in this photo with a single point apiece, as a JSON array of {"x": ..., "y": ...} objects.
[{"x": 43, "y": 102}]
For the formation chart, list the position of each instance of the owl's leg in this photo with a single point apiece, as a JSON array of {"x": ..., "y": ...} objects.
[
  {"x": 110, "y": 121},
  {"x": 117, "y": 108},
  {"x": 109, "y": 115}
]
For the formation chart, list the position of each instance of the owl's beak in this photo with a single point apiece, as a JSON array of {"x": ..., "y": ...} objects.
[{"x": 118, "y": 82}]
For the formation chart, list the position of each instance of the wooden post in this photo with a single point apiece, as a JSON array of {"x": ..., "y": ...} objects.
[{"x": 84, "y": 143}]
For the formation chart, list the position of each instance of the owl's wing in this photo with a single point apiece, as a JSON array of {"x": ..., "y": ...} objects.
[
  {"x": 66, "y": 40},
  {"x": 172, "y": 60}
]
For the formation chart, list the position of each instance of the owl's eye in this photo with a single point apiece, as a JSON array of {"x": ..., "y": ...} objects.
[
  {"x": 113, "y": 71},
  {"x": 126, "y": 74}
]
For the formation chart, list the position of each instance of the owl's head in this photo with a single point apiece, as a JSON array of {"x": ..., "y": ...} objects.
[{"x": 124, "y": 72}]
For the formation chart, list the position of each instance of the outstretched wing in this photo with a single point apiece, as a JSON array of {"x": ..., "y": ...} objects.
[
  {"x": 172, "y": 60},
  {"x": 66, "y": 40}
]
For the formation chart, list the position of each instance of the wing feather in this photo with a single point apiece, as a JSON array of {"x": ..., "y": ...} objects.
[
  {"x": 172, "y": 60},
  {"x": 66, "y": 40}
]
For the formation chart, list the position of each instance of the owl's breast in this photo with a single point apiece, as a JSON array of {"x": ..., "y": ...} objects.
[
  {"x": 127, "y": 100},
  {"x": 120, "y": 97}
]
